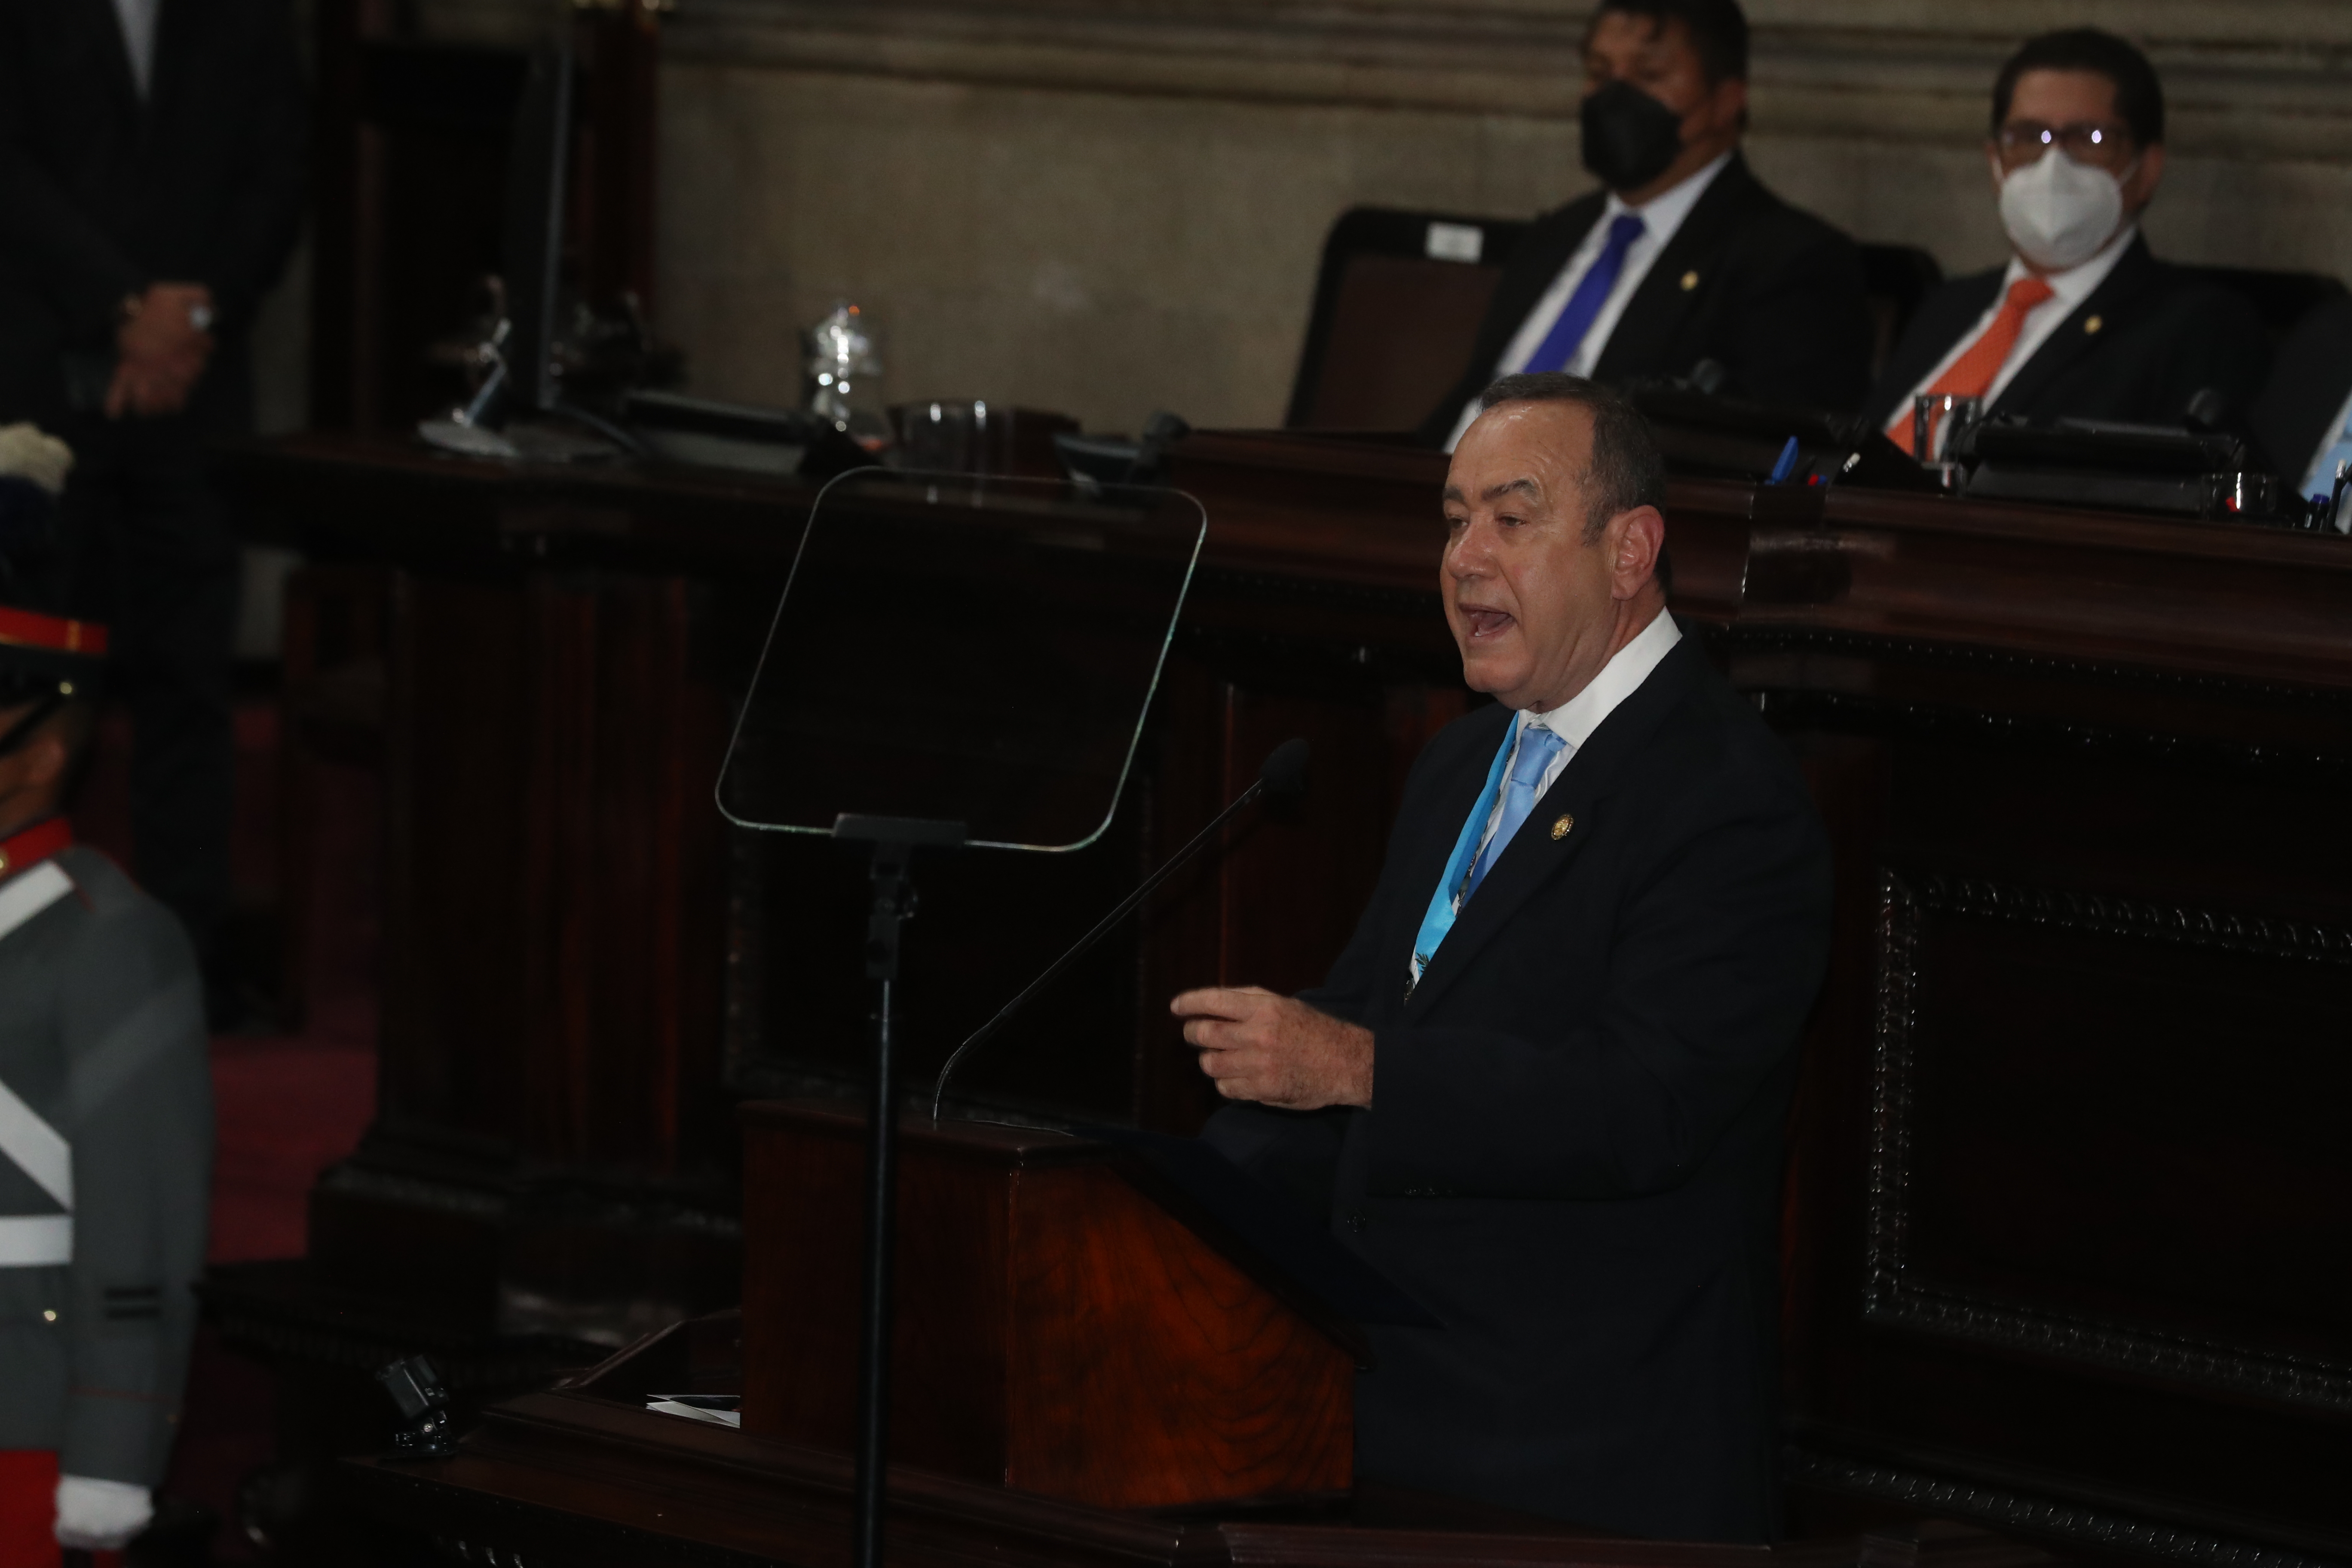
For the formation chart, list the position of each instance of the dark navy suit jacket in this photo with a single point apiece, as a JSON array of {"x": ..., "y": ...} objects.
[
  {"x": 1573, "y": 1156},
  {"x": 1770, "y": 293},
  {"x": 102, "y": 192},
  {"x": 2149, "y": 338}
]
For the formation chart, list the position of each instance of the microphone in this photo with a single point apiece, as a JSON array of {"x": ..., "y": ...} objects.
[{"x": 1282, "y": 777}]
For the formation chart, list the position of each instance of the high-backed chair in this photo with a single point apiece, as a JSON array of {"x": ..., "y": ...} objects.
[
  {"x": 2280, "y": 298},
  {"x": 1397, "y": 308},
  {"x": 1400, "y": 294},
  {"x": 1895, "y": 280}
]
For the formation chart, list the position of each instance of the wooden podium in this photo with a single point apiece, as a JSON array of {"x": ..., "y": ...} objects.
[
  {"x": 1057, "y": 1331},
  {"x": 1081, "y": 1379}
]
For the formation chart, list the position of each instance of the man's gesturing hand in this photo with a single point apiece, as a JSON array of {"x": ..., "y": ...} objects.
[
  {"x": 1270, "y": 1048},
  {"x": 161, "y": 351}
]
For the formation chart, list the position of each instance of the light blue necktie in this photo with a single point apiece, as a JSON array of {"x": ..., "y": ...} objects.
[
  {"x": 1592, "y": 292},
  {"x": 1536, "y": 747}
]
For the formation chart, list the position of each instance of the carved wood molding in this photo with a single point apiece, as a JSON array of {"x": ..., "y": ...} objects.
[
  {"x": 2045, "y": 736},
  {"x": 1894, "y": 1295},
  {"x": 2105, "y": 1527},
  {"x": 1739, "y": 639},
  {"x": 2255, "y": 79}
]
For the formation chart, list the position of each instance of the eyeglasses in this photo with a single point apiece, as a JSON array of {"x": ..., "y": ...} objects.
[{"x": 2023, "y": 142}]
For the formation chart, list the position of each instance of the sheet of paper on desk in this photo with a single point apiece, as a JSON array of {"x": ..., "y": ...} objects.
[{"x": 717, "y": 1408}]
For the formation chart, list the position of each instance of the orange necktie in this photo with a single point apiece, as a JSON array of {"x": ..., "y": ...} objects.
[{"x": 1972, "y": 373}]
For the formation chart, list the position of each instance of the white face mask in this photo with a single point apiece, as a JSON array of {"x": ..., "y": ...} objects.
[{"x": 2058, "y": 212}]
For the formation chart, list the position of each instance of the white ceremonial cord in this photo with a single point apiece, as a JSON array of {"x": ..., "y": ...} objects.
[
  {"x": 35, "y": 1241},
  {"x": 28, "y": 893}
]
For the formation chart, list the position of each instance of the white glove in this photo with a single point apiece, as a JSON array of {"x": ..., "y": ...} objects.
[
  {"x": 29, "y": 453},
  {"x": 100, "y": 1516}
]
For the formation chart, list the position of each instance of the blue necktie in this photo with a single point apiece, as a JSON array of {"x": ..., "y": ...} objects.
[
  {"x": 1452, "y": 885},
  {"x": 1592, "y": 289},
  {"x": 1536, "y": 749}
]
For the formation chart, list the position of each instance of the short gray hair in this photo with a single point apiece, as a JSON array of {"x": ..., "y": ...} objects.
[{"x": 1627, "y": 469}]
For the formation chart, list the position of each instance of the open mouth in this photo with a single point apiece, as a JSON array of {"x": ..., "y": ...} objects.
[{"x": 1481, "y": 623}]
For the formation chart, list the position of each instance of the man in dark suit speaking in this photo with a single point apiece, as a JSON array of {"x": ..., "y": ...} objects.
[
  {"x": 1543, "y": 1088},
  {"x": 1684, "y": 256}
]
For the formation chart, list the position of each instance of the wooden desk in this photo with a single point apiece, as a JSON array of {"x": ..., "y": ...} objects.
[
  {"x": 585, "y": 1475},
  {"x": 2069, "y": 1234}
]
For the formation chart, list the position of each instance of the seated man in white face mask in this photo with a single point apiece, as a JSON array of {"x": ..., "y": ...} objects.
[{"x": 2084, "y": 321}]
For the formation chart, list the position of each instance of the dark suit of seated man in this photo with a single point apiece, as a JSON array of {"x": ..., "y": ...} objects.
[
  {"x": 1684, "y": 256},
  {"x": 151, "y": 167},
  {"x": 2084, "y": 321},
  {"x": 2303, "y": 416},
  {"x": 1543, "y": 1088}
]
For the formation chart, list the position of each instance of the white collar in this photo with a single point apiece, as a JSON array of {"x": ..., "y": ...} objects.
[
  {"x": 1662, "y": 213},
  {"x": 1575, "y": 720},
  {"x": 2077, "y": 283}
]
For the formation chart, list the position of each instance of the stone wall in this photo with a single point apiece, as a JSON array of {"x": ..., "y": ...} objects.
[{"x": 1106, "y": 206}]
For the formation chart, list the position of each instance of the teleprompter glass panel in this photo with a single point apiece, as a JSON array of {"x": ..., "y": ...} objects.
[{"x": 963, "y": 648}]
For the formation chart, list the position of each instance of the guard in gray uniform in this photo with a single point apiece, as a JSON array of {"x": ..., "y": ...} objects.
[{"x": 105, "y": 1125}]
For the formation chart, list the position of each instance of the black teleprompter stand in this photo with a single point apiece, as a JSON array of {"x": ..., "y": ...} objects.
[
  {"x": 895, "y": 840},
  {"x": 1060, "y": 727}
]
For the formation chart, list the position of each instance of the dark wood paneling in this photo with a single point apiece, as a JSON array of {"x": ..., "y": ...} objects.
[
  {"x": 1055, "y": 1331},
  {"x": 550, "y": 758},
  {"x": 553, "y": 1149},
  {"x": 2067, "y": 1239},
  {"x": 459, "y": 926},
  {"x": 2110, "y": 1130},
  {"x": 563, "y": 868},
  {"x": 1149, "y": 1372},
  {"x": 949, "y": 1352},
  {"x": 2116, "y": 1313}
]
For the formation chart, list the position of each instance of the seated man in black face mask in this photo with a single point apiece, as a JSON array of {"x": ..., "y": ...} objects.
[{"x": 1685, "y": 256}]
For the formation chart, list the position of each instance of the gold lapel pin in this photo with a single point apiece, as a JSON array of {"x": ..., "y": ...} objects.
[
  {"x": 1559, "y": 829},
  {"x": 1690, "y": 281},
  {"x": 2092, "y": 324}
]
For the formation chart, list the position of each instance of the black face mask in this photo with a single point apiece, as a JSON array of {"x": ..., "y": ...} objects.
[{"x": 1628, "y": 136}]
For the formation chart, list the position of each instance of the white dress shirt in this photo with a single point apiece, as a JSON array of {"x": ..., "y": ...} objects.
[
  {"x": 138, "y": 19},
  {"x": 1575, "y": 720},
  {"x": 2068, "y": 289},
  {"x": 1661, "y": 217}
]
